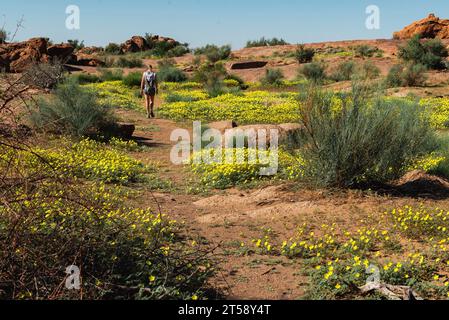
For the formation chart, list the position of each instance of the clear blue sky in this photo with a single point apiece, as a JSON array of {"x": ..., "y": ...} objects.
[{"x": 199, "y": 22}]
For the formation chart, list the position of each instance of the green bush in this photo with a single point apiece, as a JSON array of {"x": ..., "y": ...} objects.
[
  {"x": 178, "y": 51},
  {"x": 113, "y": 48},
  {"x": 262, "y": 42},
  {"x": 111, "y": 75},
  {"x": 215, "y": 87},
  {"x": 3, "y": 36},
  {"x": 214, "y": 53},
  {"x": 163, "y": 49},
  {"x": 350, "y": 140},
  {"x": 168, "y": 72},
  {"x": 76, "y": 44},
  {"x": 273, "y": 77},
  {"x": 212, "y": 75},
  {"x": 394, "y": 77},
  {"x": 315, "y": 72},
  {"x": 412, "y": 75},
  {"x": 85, "y": 78},
  {"x": 133, "y": 79},
  {"x": 369, "y": 70},
  {"x": 128, "y": 62},
  {"x": 304, "y": 55},
  {"x": 430, "y": 53},
  {"x": 73, "y": 110},
  {"x": 242, "y": 84},
  {"x": 344, "y": 71},
  {"x": 365, "y": 51}
]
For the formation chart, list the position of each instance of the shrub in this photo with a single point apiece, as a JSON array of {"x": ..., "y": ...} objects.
[
  {"x": 128, "y": 62},
  {"x": 212, "y": 75},
  {"x": 111, "y": 75},
  {"x": 44, "y": 75},
  {"x": 161, "y": 49},
  {"x": 73, "y": 110},
  {"x": 430, "y": 53},
  {"x": 369, "y": 70},
  {"x": 314, "y": 72},
  {"x": 411, "y": 75},
  {"x": 273, "y": 77},
  {"x": 132, "y": 79},
  {"x": 169, "y": 73},
  {"x": 214, "y": 53},
  {"x": 178, "y": 51},
  {"x": 76, "y": 44},
  {"x": 304, "y": 55},
  {"x": 262, "y": 42},
  {"x": 365, "y": 51},
  {"x": 3, "y": 36},
  {"x": 344, "y": 71},
  {"x": 241, "y": 83},
  {"x": 164, "y": 49},
  {"x": 215, "y": 87},
  {"x": 113, "y": 48},
  {"x": 85, "y": 78},
  {"x": 350, "y": 140},
  {"x": 394, "y": 77}
]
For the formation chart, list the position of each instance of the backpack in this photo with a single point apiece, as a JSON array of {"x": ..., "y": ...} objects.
[{"x": 150, "y": 79}]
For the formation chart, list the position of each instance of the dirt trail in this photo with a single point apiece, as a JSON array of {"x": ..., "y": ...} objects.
[{"x": 215, "y": 219}]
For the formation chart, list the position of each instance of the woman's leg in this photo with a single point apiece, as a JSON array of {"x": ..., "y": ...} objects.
[
  {"x": 147, "y": 105},
  {"x": 151, "y": 105}
]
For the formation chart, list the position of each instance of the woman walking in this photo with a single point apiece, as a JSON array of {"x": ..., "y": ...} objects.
[{"x": 149, "y": 87}]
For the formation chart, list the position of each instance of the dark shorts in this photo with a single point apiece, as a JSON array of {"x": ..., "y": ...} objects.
[{"x": 150, "y": 91}]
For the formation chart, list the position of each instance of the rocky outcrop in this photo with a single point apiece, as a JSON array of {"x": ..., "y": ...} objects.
[
  {"x": 86, "y": 60},
  {"x": 17, "y": 57},
  {"x": 87, "y": 57},
  {"x": 139, "y": 44},
  {"x": 61, "y": 51},
  {"x": 135, "y": 44},
  {"x": 430, "y": 27},
  {"x": 154, "y": 39}
]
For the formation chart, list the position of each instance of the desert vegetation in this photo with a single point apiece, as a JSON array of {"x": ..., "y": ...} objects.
[
  {"x": 361, "y": 184},
  {"x": 70, "y": 190}
]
